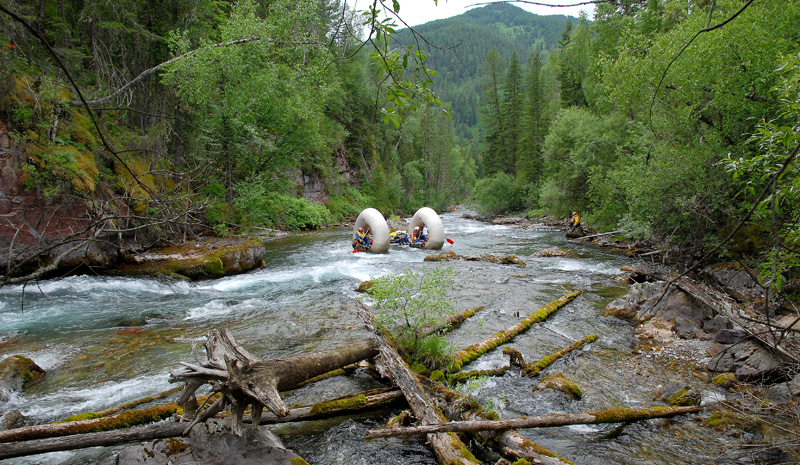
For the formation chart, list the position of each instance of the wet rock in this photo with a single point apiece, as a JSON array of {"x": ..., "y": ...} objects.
[
  {"x": 17, "y": 373},
  {"x": 647, "y": 301},
  {"x": 559, "y": 382},
  {"x": 499, "y": 259},
  {"x": 679, "y": 395},
  {"x": 786, "y": 392},
  {"x": 211, "y": 258},
  {"x": 556, "y": 252},
  {"x": 734, "y": 280},
  {"x": 365, "y": 286},
  {"x": 12, "y": 419},
  {"x": 508, "y": 220},
  {"x": 747, "y": 360},
  {"x": 211, "y": 443}
]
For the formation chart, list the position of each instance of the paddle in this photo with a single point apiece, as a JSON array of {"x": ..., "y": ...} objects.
[{"x": 449, "y": 241}]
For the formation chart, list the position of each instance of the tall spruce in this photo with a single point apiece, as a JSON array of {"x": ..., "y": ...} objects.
[
  {"x": 490, "y": 112},
  {"x": 535, "y": 124},
  {"x": 511, "y": 116}
]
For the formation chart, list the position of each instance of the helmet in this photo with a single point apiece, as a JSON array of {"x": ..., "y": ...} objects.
[
  {"x": 360, "y": 229},
  {"x": 574, "y": 213},
  {"x": 416, "y": 228}
]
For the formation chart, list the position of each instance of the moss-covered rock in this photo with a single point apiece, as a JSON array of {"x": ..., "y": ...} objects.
[
  {"x": 726, "y": 380},
  {"x": 199, "y": 259},
  {"x": 365, "y": 286},
  {"x": 561, "y": 383},
  {"x": 17, "y": 373}
]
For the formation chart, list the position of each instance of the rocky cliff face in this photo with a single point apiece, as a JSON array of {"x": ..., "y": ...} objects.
[{"x": 38, "y": 228}]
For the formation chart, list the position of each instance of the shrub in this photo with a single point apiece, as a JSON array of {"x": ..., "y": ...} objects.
[
  {"x": 262, "y": 207},
  {"x": 498, "y": 194}
]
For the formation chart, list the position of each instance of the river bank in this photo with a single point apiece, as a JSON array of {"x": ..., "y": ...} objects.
[{"x": 107, "y": 341}]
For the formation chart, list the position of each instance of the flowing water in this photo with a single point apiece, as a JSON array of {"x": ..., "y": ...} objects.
[{"x": 105, "y": 341}]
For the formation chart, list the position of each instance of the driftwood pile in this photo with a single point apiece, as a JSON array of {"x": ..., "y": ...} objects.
[{"x": 239, "y": 381}]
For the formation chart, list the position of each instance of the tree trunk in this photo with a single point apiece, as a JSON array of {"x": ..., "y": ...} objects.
[
  {"x": 78, "y": 441},
  {"x": 448, "y": 448},
  {"x": 27, "y": 445},
  {"x": 533, "y": 369},
  {"x": 244, "y": 380},
  {"x": 474, "y": 351},
  {"x": 617, "y": 415},
  {"x": 121, "y": 420},
  {"x": 509, "y": 443}
]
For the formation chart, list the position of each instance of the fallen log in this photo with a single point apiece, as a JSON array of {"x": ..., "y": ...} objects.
[
  {"x": 601, "y": 234},
  {"x": 474, "y": 351},
  {"x": 511, "y": 444},
  {"x": 448, "y": 448},
  {"x": 118, "y": 421},
  {"x": 533, "y": 369},
  {"x": 119, "y": 408},
  {"x": 243, "y": 380},
  {"x": 346, "y": 404},
  {"x": 28, "y": 444},
  {"x": 78, "y": 441},
  {"x": 617, "y": 415}
]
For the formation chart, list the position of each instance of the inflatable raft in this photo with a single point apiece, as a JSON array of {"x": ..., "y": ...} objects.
[
  {"x": 426, "y": 217},
  {"x": 373, "y": 220}
]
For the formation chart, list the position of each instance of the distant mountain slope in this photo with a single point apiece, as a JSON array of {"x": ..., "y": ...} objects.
[{"x": 465, "y": 40}]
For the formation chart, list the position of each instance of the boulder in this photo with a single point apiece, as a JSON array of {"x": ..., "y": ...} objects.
[
  {"x": 679, "y": 395},
  {"x": 556, "y": 252},
  {"x": 17, "y": 373},
  {"x": 210, "y": 258},
  {"x": 212, "y": 443},
  {"x": 748, "y": 360},
  {"x": 786, "y": 392},
  {"x": 561, "y": 383},
  {"x": 12, "y": 419},
  {"x": 676, "y": 309},
  {"x": 734, "y": 280}
]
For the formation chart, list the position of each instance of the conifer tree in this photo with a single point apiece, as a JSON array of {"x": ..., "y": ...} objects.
[
  {"x": 490, "y": 111},
  {"x": 511, "y": 116},
  {"x": 529, "y": 162}
]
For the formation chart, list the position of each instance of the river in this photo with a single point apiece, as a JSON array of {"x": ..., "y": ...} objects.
[{"x": 105, "y": 341}]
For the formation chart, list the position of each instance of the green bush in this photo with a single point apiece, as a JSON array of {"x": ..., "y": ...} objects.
[
  {"x": 498, "y": 194},
  {"x": 348, "y": 203},
  {"x": 262, "y": 207}
]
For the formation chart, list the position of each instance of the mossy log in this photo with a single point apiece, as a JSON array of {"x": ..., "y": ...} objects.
[
  {"x": 101, "y": 439},
  {"x": 33, "y": 441},
  {"x": 616, "y": 415},
  {"x": 533, "y": 369},
  {"x": 452, "y": 323},
  {"x": 119, "y": 408},
  {"x": 512, "y": 445},
  {"x": 474, "y": 351},
  {"x": 448, "y": 447},
  {"x": 244, "y": 380},
  {"x": 121, "y": 420}
]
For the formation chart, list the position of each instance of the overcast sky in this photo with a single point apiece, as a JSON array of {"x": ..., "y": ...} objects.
[{"x": 415, "y": 12}]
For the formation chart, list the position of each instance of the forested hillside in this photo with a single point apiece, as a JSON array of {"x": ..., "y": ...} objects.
[
  {"x": 457, "y": 49},
  {"x": 134, "y": 121},
  {"x": 664, "y": 119}
]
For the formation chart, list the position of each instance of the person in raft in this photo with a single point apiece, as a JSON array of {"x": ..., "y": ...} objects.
[
  {"x": 423, "y": 235},
  {"x": 362, "y": 238},
  {"x": 575, "y": 222}
]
